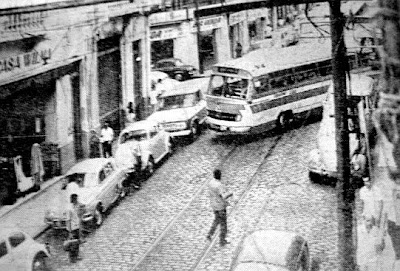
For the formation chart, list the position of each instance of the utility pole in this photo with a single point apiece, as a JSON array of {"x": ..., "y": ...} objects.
[
  {"x": 345, "y": 193},
  {"x": 198, "y": 36}
]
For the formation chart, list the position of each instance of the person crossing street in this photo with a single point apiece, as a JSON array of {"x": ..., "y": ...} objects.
[{"x": 218, "y": 200}]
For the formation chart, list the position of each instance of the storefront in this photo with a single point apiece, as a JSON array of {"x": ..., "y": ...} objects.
[
  {"x": 109, "y": 85},
  {"x": 162, "y": 41},
  {"x": 210, "y": 28},
  {"x": 237, "y": 31}
]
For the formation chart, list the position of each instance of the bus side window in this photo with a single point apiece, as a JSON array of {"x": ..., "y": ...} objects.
[
  {"x": 261, "y": 86},
  {"x": 325, "y": 67}
]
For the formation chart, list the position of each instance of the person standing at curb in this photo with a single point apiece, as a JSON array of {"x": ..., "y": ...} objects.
[
  {"x": 106, "y": 138},
  {"x": 73, "y": 228},
  {"x": 218, "y": 200}
]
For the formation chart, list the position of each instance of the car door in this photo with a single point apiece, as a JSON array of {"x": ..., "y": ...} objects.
[
  {"x": 108, "y": 187},
  {"x": 113, "y": 182},
  {"x": 157, "y": 144},
  {"x": 6, "y": 257}
]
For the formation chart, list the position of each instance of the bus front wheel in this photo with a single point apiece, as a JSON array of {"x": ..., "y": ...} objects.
[{"x": 284, "y": 120}]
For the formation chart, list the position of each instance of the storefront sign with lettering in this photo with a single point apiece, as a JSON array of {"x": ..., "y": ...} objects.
[
  {"x": 165, "y": 33},
  {"x": 24, "y": 61},
  {"x": 237, "y": 17},
  {"x": 208, "y": 23}
]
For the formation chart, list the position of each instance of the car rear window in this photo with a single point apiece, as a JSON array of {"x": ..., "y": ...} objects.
[{"x": 16, "y": 239}]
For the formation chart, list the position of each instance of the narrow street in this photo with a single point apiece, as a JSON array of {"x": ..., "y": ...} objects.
[{"x": 163, "y": 225}]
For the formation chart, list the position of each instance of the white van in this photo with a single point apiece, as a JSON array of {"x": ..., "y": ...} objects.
[
  {"x": 322, "y": 161},
  {"x": 182, "y": 110}
]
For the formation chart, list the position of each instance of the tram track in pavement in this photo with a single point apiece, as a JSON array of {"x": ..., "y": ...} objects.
[
  {"x": 208, "y": 249},
  {"x": 176, "y": 222}
]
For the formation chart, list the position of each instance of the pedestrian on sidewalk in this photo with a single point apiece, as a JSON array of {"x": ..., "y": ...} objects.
[
  {"x": 94, "y": 144},
  {"x": 393, "y": 223},
  {"x": 218, "y": 199},
  {"x": 238, "y": 50},
  {"x": 73, "y": 227},
  {"x": 37, "y": 168},
  {"x": 106, "y": 138},
  {"x": 371, "y": 202}
]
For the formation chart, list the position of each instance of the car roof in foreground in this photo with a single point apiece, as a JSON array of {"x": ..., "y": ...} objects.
[
  {"x": 267, "y": 246},
  {"x": 91, "y": 165},
  {"x": 6, "y": 231},
  {"x": 188, "y": 86}
]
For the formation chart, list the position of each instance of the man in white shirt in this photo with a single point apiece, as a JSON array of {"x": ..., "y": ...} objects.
[
  {"x": 106, "y": 138},
  {"x": 218, "y": 200},
  {"x": 372, "y": 202}
]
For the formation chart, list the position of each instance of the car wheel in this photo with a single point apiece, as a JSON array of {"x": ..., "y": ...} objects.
[
  {"x": 178, "y": 77},
  {"x": 39, "y": 263},
  {"x": 150, "y": 166},
  {"x": 171, "y": 146},
  {"x": 314, "y": 177},
  {"x": 194, "y": 130},
  {"x": 98, "y": 216}
]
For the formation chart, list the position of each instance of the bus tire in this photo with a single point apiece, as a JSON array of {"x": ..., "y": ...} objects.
[
  {"x": 284, "y": 120},
  {"x": 195, "y": 130}
]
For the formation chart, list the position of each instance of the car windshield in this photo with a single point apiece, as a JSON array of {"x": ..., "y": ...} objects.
[
  {"x": 231, "y": 87},
  {"x": 178, "y": 101},
  {"x": 135, "y": 135},
  {"x": 83, "y": 179}
]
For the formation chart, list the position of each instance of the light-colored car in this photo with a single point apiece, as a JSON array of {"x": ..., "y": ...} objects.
[
  {"x": 272, "y": 250},
  {"x": 19, "y": 252},
  {"x": 98, "y": 182},
  {"x": 322, "y": 161},
  {"x": 142, "y": 145},
  {"x": 182, "y": 110}
]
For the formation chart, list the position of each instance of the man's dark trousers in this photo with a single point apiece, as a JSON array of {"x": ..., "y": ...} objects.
[{"x": 220, "y": 218}]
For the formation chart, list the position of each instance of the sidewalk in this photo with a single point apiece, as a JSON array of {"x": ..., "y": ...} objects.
[{"x": 28, "y": 212}]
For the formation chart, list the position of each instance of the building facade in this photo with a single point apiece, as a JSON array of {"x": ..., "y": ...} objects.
[{"x": 66, "y": 69}]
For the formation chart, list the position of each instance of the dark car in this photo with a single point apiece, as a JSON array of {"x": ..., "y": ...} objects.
[{"x": 175, "y": 68}]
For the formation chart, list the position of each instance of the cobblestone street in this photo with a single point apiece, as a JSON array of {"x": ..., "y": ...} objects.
[{"x": 163, "y": 225}]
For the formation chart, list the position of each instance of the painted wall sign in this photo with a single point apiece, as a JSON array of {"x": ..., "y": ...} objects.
[
  {"x": 166, "y": 33},
  {"x": 23, "y": 61},
  {"x": 22, "y": 22}
]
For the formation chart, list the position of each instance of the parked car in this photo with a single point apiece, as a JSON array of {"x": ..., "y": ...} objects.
[
  {"x": 269, "y": 250},
  {"x": 322, "y": 161},
  {"x": 98, "y": 184},
  {"x": 175, "y": 68},
  {"x": 182, "y": 110},
  {"x": 19, "y": 252},
  {"x": 142, "y": 145}
]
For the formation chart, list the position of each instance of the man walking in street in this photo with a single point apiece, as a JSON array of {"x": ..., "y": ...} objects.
[
  {"x": 106, "y": 138},
  {"x": 218, "y": 199},
  {"x": 73, "y": 227}
]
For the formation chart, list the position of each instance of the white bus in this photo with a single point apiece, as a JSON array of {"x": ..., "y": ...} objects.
[{"x": 268, "y": 88}]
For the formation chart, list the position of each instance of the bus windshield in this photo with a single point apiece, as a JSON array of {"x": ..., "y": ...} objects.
[{"x": 226, "y": 86}]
